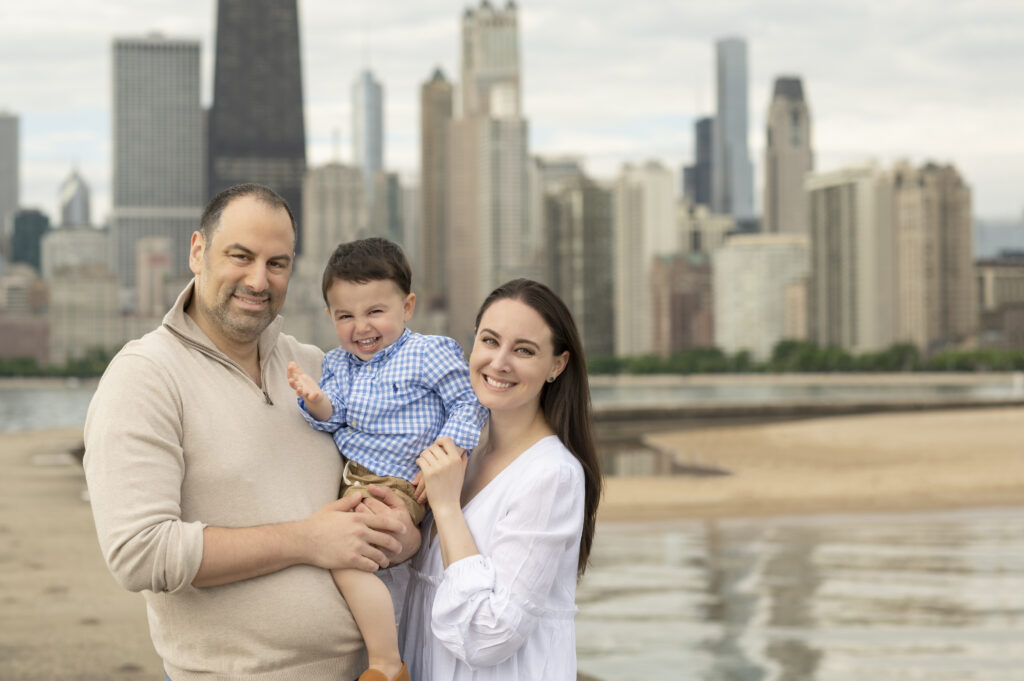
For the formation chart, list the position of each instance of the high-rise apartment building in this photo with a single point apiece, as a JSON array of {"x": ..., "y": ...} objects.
[
  {"x": 700, "y": 230},
  {"x": 934, "y": 234},
  {"x": 256, "y": 126},
  {"x": 368, "y": 129},
  {"x": 546, "y": 175},
  {"x": 644, "y": 228},
  {"x": 436, "y": 101},
  {"x": 732, "y": 180},
  {"x": 579, "y": 225},
  {"x": 84, "y": 313},
  {"x": 697, "y": 177},
  {"x": 753, "y": 276},
  {"x": 70, "y": 248},
  {"x": 787, "y": 158},
  {"x": 488, "y": 167},
  {"x": 681, "y": 302},
  {"x": 10, "y": 172},
  {"x": 157, "y": 148},
  {"x": 335, "y": 203},
  {"x": 30, "y": 226},
  {"x": 852, "y": 291},
  {"x": 73, "y": 202}
]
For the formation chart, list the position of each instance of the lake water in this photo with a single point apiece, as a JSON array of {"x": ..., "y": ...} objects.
[
  {"x": 911, "y": 597},
  {"x": 26, "y": 405}
]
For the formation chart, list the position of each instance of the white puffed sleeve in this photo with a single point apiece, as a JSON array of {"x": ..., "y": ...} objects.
[{"x": 486, "y": 606}]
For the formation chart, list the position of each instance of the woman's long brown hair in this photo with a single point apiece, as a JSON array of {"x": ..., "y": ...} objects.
[{"x": 566, "y": 402}]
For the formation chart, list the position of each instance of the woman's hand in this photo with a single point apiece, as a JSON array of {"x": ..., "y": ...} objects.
[{"x": 443, "y": 467}]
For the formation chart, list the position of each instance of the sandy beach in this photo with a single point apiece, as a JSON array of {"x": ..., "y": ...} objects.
[
  {"x": 928, "y": 460},
  {"x": 65, "y": 618}
]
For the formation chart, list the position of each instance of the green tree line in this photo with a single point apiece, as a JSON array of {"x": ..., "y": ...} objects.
[{"x": 92, "y": 363}]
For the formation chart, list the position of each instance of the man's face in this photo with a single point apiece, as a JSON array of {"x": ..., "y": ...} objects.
[{"x": 242, "y": 273}]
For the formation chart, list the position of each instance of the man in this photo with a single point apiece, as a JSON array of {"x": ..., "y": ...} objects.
[{"x": 210, "y": 493}]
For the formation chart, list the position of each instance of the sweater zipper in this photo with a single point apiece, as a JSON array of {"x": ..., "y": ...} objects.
[
  {"x": 263, "y": 380},
  {"x": 231, "y": 363}
]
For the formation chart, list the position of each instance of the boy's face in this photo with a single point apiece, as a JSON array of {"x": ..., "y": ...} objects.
[{"x": 368, "y": 317}]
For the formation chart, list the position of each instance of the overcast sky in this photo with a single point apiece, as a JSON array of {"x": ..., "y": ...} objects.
[{"x": 609, "y": 81}]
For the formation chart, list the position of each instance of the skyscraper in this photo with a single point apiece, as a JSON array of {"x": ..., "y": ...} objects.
[
  {"x": 752, "y": 277},
  {"x": 368, "y": 129},
  {"x": 732, "y": 182},
  {"x": 9, "y": 172},
  {"x": 579, "y": 219},
  {"x": 787, "y": 158},
  {"x": 853, "y": 259},
  {"x": 335, "y": 203},
  {"x": 256, "y": 128},
  {"x": 73, "y": 201},
  {"x": 697, "y": 178},
  {"x": 435, "y": 119},
  {"x": 30, "y": 226},
  {"x": 488, "y": 156},
  {"x": 157, "y": 149},
  {"x": 645, "y": 227},
  {"x": 935, "y": 287}
]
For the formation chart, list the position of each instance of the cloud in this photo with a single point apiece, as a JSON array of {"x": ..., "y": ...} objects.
[{"x": 607, "y": 80}]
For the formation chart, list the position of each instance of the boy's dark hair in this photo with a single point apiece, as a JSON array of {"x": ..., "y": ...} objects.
[{"x": 364, "y": 260}]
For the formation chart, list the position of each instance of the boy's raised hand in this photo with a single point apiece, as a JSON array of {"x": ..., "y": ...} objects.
[{"x": 305, "y": 387}]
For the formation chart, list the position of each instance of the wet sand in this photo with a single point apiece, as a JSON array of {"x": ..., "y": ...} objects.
[
  {"x": 64, "y": 617},
  {"x": 880, "y": 462}
]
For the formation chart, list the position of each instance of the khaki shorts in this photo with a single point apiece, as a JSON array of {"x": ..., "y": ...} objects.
[{"x": 356, "y": 478}]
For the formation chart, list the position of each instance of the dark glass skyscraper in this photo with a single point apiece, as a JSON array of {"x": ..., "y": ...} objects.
[{"x": 256, "y": 129}]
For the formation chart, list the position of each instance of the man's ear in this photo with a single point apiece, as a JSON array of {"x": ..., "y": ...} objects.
[{"x": 197, "y": 246}]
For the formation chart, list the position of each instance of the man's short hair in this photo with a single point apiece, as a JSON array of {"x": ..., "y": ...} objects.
[
  {"x": 365, "y": 260},
  {"x": 211, "y": 215}
]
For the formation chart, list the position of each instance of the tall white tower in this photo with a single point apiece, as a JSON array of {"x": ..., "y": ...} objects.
[
  {"x": 368, "y": 129},
  {"x": 732, "y": 179}
]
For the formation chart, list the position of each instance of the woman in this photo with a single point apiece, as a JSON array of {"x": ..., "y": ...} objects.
[{"x": 493, "y": 589}]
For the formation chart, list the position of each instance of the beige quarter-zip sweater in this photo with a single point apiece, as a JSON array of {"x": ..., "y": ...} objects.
[{"x": 179, "y": 437}]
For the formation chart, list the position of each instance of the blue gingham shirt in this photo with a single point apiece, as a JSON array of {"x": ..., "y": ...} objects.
[{"x": 390, "y": 408}]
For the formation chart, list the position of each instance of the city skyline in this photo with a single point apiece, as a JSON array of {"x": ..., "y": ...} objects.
[{"x": 885, "y": 81}]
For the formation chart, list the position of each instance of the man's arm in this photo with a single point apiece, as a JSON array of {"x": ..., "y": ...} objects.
[{"x": 331, "y": 538}]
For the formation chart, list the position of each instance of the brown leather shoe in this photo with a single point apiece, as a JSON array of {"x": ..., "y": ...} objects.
[{"x": 377, "y": 675}]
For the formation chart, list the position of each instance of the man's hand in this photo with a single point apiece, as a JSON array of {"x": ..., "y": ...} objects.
[
  {"x": 390, "y": 505},
  {"x": 364, "y": 541}
]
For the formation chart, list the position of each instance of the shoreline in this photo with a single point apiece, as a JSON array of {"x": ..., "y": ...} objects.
[{"x": 66, "y": 618}]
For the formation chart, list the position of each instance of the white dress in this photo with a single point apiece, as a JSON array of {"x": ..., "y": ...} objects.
[{"x": 506, "y": 613}]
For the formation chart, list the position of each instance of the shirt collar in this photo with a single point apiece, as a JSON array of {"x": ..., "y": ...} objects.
[{"x": 383, "y": 355}]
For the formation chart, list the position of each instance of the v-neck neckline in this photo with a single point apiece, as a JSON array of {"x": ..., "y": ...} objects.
[{"x": 501, "y": 473}]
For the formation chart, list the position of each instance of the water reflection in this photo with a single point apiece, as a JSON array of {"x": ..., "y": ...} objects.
[{"x": 840, "y": 598}]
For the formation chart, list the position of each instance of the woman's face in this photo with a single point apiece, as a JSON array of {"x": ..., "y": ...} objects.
[{"x": 512, "y": 357}]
